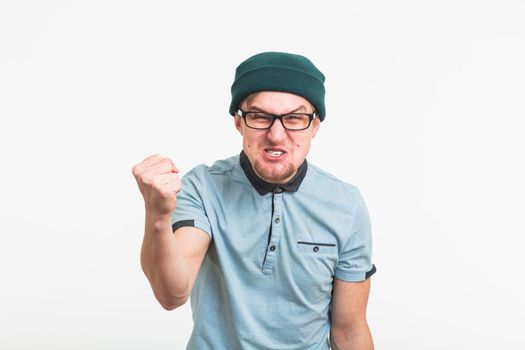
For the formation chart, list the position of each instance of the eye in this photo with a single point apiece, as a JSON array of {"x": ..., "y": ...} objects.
[
  {"x": 258, "y": 116},
  {"x": 296, "y": 117}
]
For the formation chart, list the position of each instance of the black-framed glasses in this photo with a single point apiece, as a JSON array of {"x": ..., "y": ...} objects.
[{"x": 290, "y": 121}]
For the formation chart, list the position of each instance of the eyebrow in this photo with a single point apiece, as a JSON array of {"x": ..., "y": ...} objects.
[{"x": 258, "y": 109}]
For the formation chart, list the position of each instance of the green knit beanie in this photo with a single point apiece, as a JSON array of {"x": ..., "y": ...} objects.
[{"x": 279, "y": 71}]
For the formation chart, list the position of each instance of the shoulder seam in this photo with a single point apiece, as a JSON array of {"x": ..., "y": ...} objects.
[
  {"x": 332, "y": 177},
  {"x": 222, "y": 171}
]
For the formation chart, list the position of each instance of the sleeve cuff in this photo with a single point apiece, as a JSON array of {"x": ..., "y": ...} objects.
[
  {"x": 192, "y": 223},
  {"x": 355, "y": 276}
]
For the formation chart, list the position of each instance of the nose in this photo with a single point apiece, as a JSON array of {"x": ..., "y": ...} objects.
[{"x": 277, "y": 132}]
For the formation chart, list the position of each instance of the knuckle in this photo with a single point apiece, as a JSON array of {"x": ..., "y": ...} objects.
[
  {"x": 146, "y": 179},
  {"x": 136, "y": 170}
]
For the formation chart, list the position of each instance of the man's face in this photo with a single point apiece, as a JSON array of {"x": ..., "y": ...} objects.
[{"x": 261, "y": 145}]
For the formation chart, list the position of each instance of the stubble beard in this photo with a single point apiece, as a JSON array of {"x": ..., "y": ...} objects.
[{"x": 274, "y": 173}]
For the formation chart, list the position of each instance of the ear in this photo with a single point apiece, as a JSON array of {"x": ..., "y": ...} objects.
[
  {"x": 237, "y": 121},
  {"x": 316, "y": 125}
]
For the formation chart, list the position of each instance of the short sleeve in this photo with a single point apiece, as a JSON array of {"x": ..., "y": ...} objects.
[
  {"x": 355, "y": 259},
  {"x": 190, "y": 210}
]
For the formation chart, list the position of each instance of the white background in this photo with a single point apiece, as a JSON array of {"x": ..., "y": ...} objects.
[{"x": 425, "y": 108}]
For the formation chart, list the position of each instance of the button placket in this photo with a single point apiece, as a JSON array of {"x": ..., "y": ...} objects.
[{"x": 271, "y": 253}]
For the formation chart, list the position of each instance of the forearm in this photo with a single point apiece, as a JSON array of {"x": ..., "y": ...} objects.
[
  {"x": 163, "y": 264},
  {"x": 352, "y": 338}
]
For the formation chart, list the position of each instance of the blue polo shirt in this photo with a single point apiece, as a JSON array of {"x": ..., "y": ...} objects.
[{"x": 266, "y": 280}]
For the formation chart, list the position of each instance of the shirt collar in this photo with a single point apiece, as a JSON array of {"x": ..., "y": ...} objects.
[{"x": 264, "y": 187}]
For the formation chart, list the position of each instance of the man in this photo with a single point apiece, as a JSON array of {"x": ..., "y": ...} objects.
[{"x": 275, "y": 252}]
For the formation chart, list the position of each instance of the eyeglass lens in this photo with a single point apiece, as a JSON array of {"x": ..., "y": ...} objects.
[{"x": 294, "y": 121}]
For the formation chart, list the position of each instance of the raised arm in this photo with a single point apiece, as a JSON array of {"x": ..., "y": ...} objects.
[{"x": 170, "y": 260}]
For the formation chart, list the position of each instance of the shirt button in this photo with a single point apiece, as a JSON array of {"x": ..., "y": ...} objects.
[
  {"x": 272, "y": 248},
  {"x": 276, "y": 220},
  {"x": 316, "y": 249}
]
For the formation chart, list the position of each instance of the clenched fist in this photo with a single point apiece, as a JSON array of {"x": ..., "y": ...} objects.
[{"x": 159, "y": 182}]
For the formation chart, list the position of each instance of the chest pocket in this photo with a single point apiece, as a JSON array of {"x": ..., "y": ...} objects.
[{"x": 314, "y": 268}]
